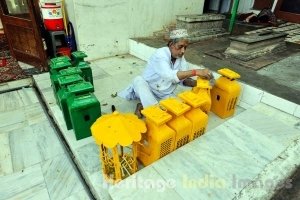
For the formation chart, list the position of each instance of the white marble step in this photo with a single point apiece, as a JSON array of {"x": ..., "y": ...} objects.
[{"x": 219, "y": 164}]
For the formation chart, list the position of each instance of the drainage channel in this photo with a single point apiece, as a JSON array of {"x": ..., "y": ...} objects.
[{"x": 63, "y": 140}]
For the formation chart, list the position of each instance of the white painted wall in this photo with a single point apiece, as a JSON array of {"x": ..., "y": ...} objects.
[
  {"x": 104, "y": 27},
  {"x": 244, "y": 5}
]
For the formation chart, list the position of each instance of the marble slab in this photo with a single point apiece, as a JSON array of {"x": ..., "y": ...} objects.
[
  {"x": 98, "y": 72},
  {"x": 249, "y": 140},
  {"x": 10, "y": 119},
  {"x": 26, "y": 184},
  {"x": 98, "y": 186},
  {"x": 10, "y": 101},
  {"x": 20, "y": 83},
  {"x": 48, "y": 143},
  {"x": 209, "y": 167},
  {"x": 275, "y": 177},
  {"x": 81, "y": 195},
  {"x": 119, "y": 65},
  {"x": 287, "y": 119},
  {"x": 43, "y": 81},
  {"x": 89, "y": 158},
  {"x": 33, "y": 144},
  {"x": 60, "y": 177},
  {"x": 28, "y": 96},
  {"x": 214, "y": 120},
  {"x": 5, "y": 155},
  {"x": 24, "y": 151},
  {"x": 69, "y": 135},
  {"x": 251, "y": 95},
  {"x": 279, "y": 103},
  {"x": 269, "y": 127},
  {"x": 34, "y": 113}
]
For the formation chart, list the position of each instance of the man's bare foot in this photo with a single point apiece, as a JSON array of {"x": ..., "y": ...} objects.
[{"x": 139, "y": 108}]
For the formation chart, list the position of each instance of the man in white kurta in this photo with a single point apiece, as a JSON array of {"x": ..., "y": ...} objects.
[{"x": 165, "y": 69}]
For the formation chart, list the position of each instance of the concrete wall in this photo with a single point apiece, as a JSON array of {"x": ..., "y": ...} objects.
[{"x": 104, "y": 27}]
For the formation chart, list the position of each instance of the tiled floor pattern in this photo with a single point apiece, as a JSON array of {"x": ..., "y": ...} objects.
[{"x": 33, "y": 162}]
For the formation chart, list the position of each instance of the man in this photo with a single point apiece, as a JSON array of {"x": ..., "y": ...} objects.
[{"x": 165, "y": 69}]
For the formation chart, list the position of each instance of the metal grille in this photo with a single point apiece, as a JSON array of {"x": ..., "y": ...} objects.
[
  {"x": 231, "y": 104},
  {"x": 165, "y": 147},
  {"x": 184, "y": 140},
  {"x": 199, "y": 133}
]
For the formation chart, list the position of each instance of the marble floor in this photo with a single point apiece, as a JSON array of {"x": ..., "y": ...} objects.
[
  {"x": 222, "y": 164},
  {"x": 33, "y": 161},
  {"x": 110, "y": 76}
]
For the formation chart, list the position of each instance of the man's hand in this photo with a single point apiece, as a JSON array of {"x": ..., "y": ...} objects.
[
  {"x": 189, "y": 82},
  {"x": 204, "y": 73}
]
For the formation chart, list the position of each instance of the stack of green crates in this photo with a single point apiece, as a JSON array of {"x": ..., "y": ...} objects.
[
  {"x": 72, "y": 90},
  {"x": 72, "y": 83}
]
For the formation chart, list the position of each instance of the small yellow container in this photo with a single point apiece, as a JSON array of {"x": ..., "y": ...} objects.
[
  {"x": 159, "y": 139},
  {"x": 198, "y": 118},
  {"x": 225, "y": 93},
  {"x": 202, "y": 89},
  {"x": 179, "y": 123}
]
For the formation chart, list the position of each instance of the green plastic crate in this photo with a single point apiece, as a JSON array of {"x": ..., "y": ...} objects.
[
  {"x": 56, "y": 67},
  {"x": 81, "y": 88},
  {"x": 77, "y": 57},
  {"x": 87, "y": 73},
  {"x": 84, "y": 111}
]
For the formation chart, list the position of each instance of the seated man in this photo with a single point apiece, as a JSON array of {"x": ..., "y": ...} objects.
[{"x": 165, "y": 69}]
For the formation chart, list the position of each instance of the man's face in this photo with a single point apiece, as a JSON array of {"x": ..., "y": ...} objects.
[{"x": 178, "y": 49}]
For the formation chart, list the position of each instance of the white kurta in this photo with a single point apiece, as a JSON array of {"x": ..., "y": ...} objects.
[{"x": 159, "y": 79}]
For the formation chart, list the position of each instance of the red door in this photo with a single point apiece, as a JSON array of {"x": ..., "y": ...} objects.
[{"x": 20, "y": 19}]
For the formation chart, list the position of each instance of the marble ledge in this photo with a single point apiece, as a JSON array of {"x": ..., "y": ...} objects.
[{"x": 279, "y": 103}]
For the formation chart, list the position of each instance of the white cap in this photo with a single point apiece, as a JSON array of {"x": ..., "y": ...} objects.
[{"x": 178, "y": 33}]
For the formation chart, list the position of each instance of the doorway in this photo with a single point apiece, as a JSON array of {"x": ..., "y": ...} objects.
[
  {"x": 261, "y": 4},
  {"x": 22, "y": 26},
  {"x": 288, "y": 10}
]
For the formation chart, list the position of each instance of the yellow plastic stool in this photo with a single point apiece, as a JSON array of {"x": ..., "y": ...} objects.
[
  {"x": 198, "y": 118},
  {"x": 202, "y": 89},
  {"x": 225, "y": 93},
  {"x": 179, "y": 123},
  {"x": 117, "y": 136},
  {"x": 159, "y": 139}
]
